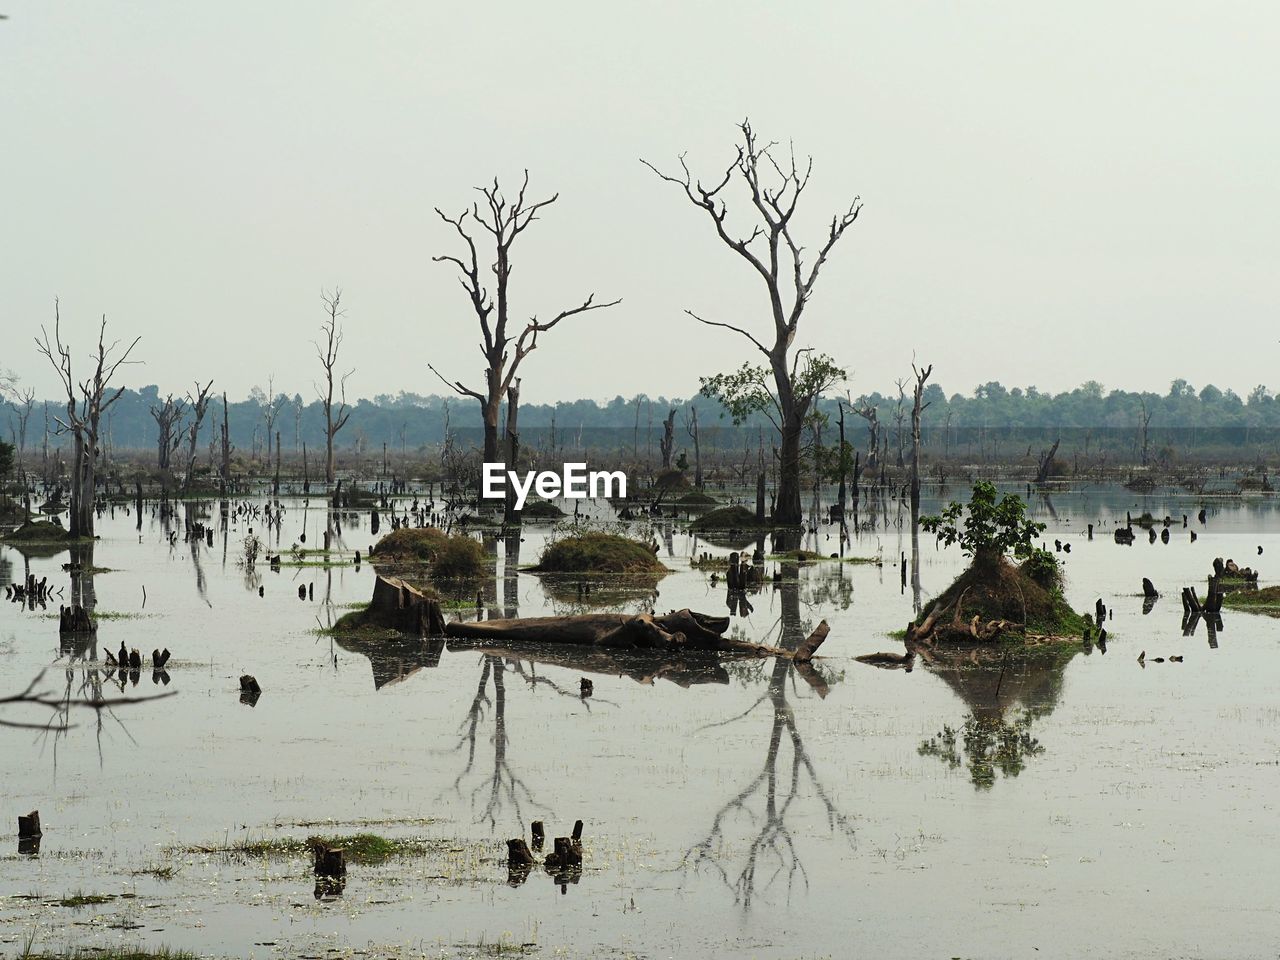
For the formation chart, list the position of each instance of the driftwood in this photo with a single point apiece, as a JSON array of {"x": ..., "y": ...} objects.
[{"x": 681, "y": 629}]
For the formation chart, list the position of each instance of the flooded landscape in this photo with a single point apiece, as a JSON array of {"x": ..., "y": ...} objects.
[{"x": 1063, "y": 802}]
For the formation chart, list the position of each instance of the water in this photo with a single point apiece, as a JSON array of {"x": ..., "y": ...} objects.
[{"x": 1070, "y": 805}]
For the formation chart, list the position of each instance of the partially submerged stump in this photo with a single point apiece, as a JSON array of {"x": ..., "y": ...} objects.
[
  {"x": 29, "y": 826},
  {"x": 397, "y": 605}
]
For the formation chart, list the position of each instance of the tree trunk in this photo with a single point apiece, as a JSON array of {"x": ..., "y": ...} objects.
[
  {"x": 510, "y": 513},
  {"x": 787, "y": 512}
]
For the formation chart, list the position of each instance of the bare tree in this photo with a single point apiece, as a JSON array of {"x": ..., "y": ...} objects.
[
  {"x": 199, "y": 405},
  {"x": 23, "y": 402},
  {"x": 691, "y": 425},
  {"x": 503, "y": 221},
  {"x": 918, "y": 407},
  {"x": 168, "y": 418},
  {"x": 87, "y": 400},
  {"x": 868, "y": 412},
  {"x": 668, "y": 442},
  {"x": 328, "y": 354},
  {"x": 899, "y": 418},
  {"x": 774, "y": 189},
  {"x": 271, "y": 408},
  {"x": 1146, "y": 423}
]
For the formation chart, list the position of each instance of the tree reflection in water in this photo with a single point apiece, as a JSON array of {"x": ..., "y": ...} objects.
[
  {"x": 498, "y": 788},
  {"x": 771, "y": 796},
  {"x": 1005, "y": 693}
]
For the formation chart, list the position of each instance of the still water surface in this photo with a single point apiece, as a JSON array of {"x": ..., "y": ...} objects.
[{"x": 1074, "y": 805}]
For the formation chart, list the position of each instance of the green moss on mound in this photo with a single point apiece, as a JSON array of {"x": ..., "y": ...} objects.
[
  {"x": 38, "y": 531},
  {"x": 598, "y": 553},
  {"x": 728, "y": 518},
  {"x": 449, "y": 557},
  {"x": 541, "y": 510},
  {"x": 998, "y": 590},
  {"x": 696, "y": 499},
  {"x": 1265, "y": 600}
]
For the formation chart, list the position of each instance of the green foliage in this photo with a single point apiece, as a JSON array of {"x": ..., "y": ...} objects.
[
  {"x": 991, "y": 528},
  {"x": 594, "y": 552},
  {"x": 1042, "y": 567},
  {"x": 450, "y": 557},
  {"x": 751, "y": 390}
]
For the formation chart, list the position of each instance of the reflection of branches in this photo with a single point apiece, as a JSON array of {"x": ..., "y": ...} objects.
[
  {"x": 773, "y": 843},
  {"x": 502, "y": 786},
  {"x": 61, "y": 706}
]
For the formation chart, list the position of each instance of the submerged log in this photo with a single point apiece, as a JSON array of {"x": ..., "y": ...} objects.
[{"x": 680, "y": 629}]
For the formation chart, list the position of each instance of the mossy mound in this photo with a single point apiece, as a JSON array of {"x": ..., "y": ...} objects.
[
  {"x": 599, "y": 553},
  {"x": 728, "y": 518},
  {"x": 38, "y": 531},
  {"x": 1264, "y": 600},
  {"x": 696, "y": 498},
  {"x": 671, "y": 480},
  {"x": 449, "y": 557},
  {"x": 541, "y": 510},
  {"x": 996, "y": 591}
]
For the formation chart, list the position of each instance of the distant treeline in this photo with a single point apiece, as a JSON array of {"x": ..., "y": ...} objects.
[{"x": 992, "y": 422}]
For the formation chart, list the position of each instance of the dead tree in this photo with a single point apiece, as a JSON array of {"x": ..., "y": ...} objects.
[
  {"x": 199, "y": 405},
  {"x": 510, "y": 513},
  {"x": 918, "y": 407},
  {"x": 899, "y": 418},
  {"x": 1046, "y": 462},
  {"x": 774, "y": 189},
  {"x": 1146, "y": 423},
  {"x": 503, "y": 221},
  {"x": 666, "y": 446},
  {"x": 226, "y": 440},
  {"x": 271, "y": 409},
  {"x": 691, "y": 425},
  {"x": 23, "y": 402},
  {"x": 328, "y": 354},
  {"x": 868, "y": 412},
  {"x": 168, "y": 418},
  {"x": 87, "y": 400}
]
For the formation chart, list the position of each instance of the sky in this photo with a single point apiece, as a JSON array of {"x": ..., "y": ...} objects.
[{"x": 1052, "y": 193}]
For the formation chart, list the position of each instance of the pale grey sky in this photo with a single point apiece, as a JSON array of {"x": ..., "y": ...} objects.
[{"x": 1053, "y": 192}]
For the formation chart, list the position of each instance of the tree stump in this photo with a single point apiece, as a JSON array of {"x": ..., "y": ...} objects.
[
  {"x": 1148, "y": 589},
  {"x": 518, "y": 854},
  {"x": 29, "y": 826},
  {"x": 539, "y": 834}
]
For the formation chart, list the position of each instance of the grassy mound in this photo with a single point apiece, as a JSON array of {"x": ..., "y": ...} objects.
[
  {"x": 599, "y": 553},
  {"x": 670, "y": 481},
  {"x": 455, "y": 557},
  {"x": 1265, "y": 600},
  {"x": 38, "y": 531},
  {"x": 696, "y": 499},
  {"x": 727, "y": 518},
  {"x": 541, "y": 510},
  {"x": 1027, "y": 596}
]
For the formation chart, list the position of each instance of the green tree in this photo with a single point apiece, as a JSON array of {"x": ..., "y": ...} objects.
[{"x": 990, "y": 528}]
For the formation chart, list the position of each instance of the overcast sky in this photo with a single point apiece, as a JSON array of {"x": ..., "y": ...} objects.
[{"x": 1053, "y": 192}]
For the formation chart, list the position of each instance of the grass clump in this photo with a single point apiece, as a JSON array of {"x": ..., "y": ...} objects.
[
  {"x": 448, "y": 556},
  {"x": 598, "y": 553},
  {"x": 541, "y": 510},
  {"x": 111, "y": 953},
  {"x": 369, "y": 849},
  {"x": 78, "y": 900},
  {"x": 696, "y": 499},
  {"x": 38, "y": 531},
  {"x": 1264, "y": 600}
]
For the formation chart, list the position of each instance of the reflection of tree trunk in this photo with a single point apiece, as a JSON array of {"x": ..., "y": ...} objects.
[
  {"x": 773, "y": 840},
  {"x": 915, "y": 556},
  {"x": 489, "y": 585},
  {"x": 83, "y": 593},
  {"x": 511, "y": 575}
]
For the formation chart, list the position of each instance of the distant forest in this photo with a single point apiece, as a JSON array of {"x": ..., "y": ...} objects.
[{"x": 993, "y": 422}]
